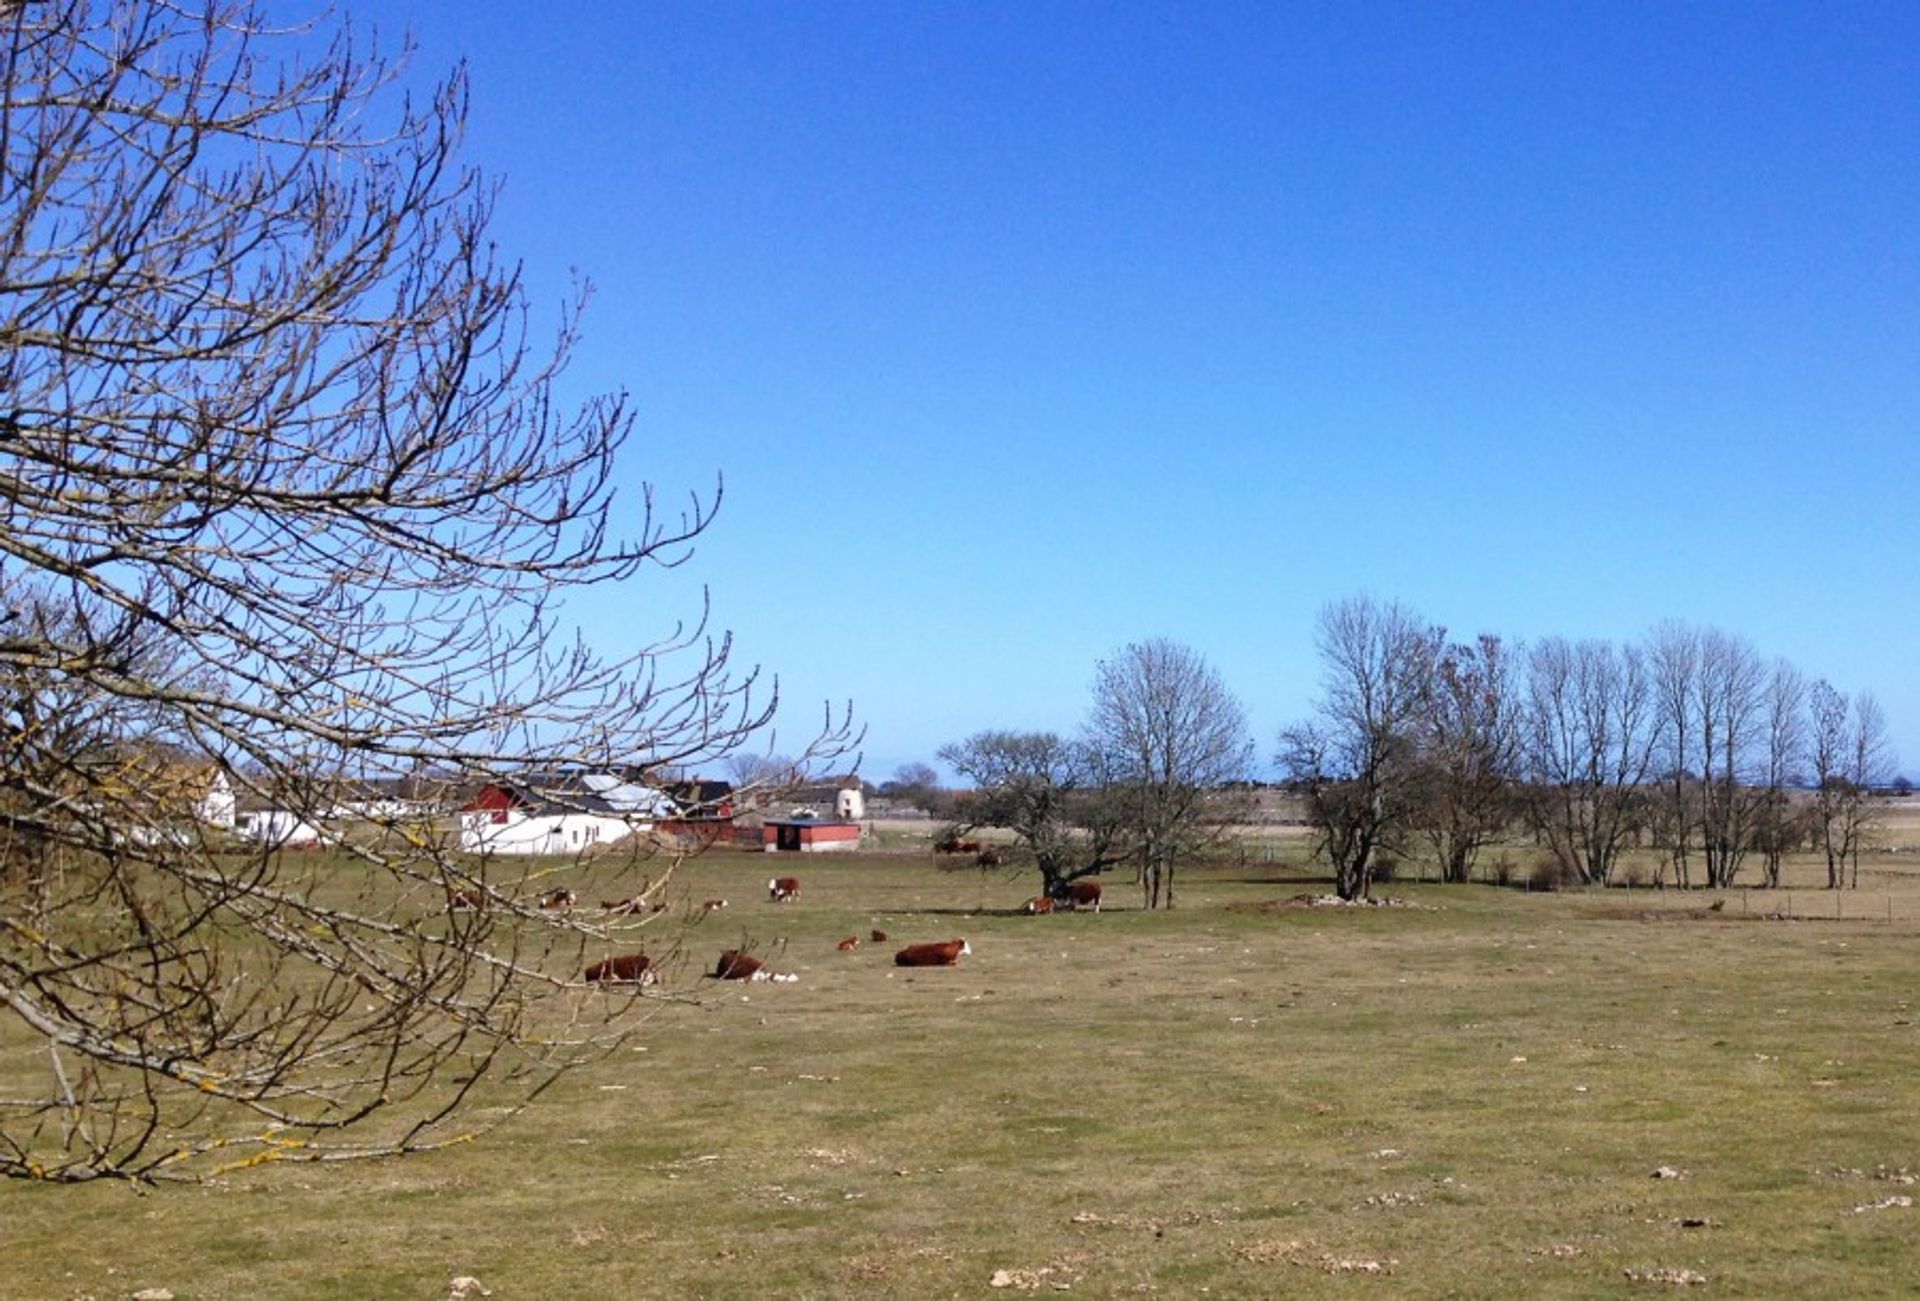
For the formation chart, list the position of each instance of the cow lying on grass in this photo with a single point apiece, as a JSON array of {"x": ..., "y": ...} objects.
[
  {"x": 627, "y": 969},
  {"x": 943, "y": 954},
  {"x": 735, "y": 965}
]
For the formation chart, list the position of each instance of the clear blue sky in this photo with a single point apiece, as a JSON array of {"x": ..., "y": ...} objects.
[{"x": 1021, "y": 331}]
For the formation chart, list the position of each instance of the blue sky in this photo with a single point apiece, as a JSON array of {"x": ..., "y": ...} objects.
[{"x": 1023, "y": 331}]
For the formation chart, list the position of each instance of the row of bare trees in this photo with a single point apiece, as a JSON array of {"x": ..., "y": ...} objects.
[{"x": 1690, "y": 743}]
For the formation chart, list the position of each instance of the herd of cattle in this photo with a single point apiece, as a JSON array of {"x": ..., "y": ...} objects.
[{"x": 737, "y": 964}]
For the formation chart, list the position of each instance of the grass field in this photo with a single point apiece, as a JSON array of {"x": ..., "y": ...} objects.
[{"x": 1470, "y": 1095}]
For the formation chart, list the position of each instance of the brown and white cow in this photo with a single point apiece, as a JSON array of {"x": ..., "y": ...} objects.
[
  {"x": 1081, "y": 894},
  {"x": 558, "y": 899},
  {"x": 943, "y": 954},
  {"x": 626, "y": 969},
  {"x": 471, "y": 898},
  {"x": 849, "y": 944},
  {"x": 1038, "y": 904},
  {"x": 783, "y": 888},
  {"x": 735, "y": 965},
  {"x": 714, "y": 905}
]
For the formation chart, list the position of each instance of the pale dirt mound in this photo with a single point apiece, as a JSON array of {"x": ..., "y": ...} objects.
[{"x": 1293, "y": 902}]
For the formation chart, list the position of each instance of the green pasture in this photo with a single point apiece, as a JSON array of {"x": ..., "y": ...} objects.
[{"x": 1484, "y": 1092}]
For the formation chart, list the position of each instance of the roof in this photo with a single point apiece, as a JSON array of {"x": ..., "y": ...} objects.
[{"x": 582, "y": 792}]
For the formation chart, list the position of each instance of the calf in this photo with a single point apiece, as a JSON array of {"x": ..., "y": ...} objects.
[
  {"x": 878, "y": 937},
  {"x": 1038, "y": 904},
  {"x": 943, "y": 954},
  {"x": 1082, "y": 894},
  {"x": 849, "y": 944},
  {"x": 735, "y": 965},
  {"x": 714, "y": 905},
  {"x": 988, "y": 857},
  {"x": 467, "y": 899},
  {"x": 627, "y": 969},
  {"x": 783, "y": 888}
]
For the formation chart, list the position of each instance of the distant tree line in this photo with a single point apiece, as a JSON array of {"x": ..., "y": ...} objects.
[{"x": 1689, "y": 742}]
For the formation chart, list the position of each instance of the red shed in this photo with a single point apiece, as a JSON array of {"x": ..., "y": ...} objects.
[{"x": 810, "y": 836}]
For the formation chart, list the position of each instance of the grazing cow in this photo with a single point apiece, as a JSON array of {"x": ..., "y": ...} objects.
[
  {"x": 627, "y": 969},
  {"x": 878, "y": 937},
  {"x": 783, "y": 888},
  {"x": 849, "y": 944},
  {"x": 1038, "y": 904},
  {"x": 988, "y": 858},
  {"x": 944, "y": 954},
  {"x": 558, "y": 899},
  {"x": 714, "y": 905},
  {"x": 467, "y": 899},
  {"x": 735, "y": 965},
  {"x": 955, "y": 845}
]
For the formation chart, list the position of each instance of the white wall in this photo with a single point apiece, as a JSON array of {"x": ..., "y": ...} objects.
[{"x": 553, "y": 833}]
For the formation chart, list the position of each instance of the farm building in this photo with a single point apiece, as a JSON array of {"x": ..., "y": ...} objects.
[
  {"x": 843, "y": 798},
  {"x": 281, "y": 828},
  {"x": 809, "y": 835},
  {"x": 559, "y": 813}
]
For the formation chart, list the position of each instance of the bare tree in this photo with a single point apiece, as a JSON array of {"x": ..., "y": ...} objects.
[
  {"x": 1830, "y": 754},
  {"x": 1170, "y": 737},
  {"x": 1730, "y": 711},
  {"x": 1673, "y": 658},
  {"x": 916, "y": 784},
  {"x": 1047, "y": 791},
  {"x": 1469, "y": 754},
  {"x": 1779, "y": 825},
  {"x": 1589, "y": 741},
  {"x": 288, "y": 496},
  {"x": 1357, "y": 759},
  {"x": 758, "y": 778},
  {"x": 1869, "y": 757}
]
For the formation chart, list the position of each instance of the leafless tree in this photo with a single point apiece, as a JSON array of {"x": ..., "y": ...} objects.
[
  {"x": 1357, "y": 759},
  {"x": 1469, "y": 754},
  {"x": 916, "y": 784},
  {"x": 288, "y": 495},
  {"x": 1730, "y": 712},
  {"x": 1673, "y": 659},
  {"x": 1780, "y": 824},
  {"x": 1170, "y": 737},
  {"x": 1050, "y": 793},
  {"x": 1589, "y": 742},
  {"x": 1849, "y": 755},
  {"x": 758, "y": 778}
]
